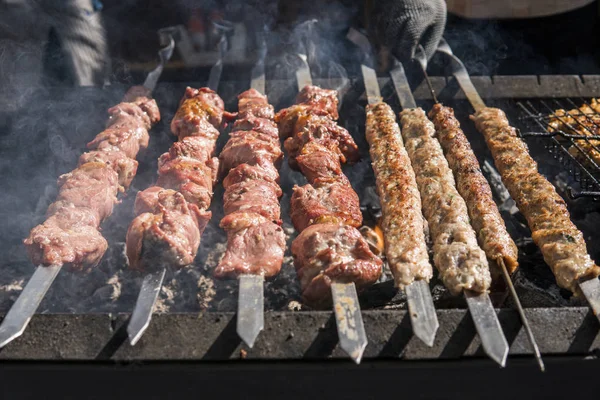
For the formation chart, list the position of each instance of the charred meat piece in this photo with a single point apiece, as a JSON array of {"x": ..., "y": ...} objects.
[
  {"x": 168, "y": 237},
  {"x": 552, "y": 230},
  {"x": 319, "y": 165},
  {"x": 402, "y": 220},
  {"x": 255, "y": 246},
  {"x": 319, "y": 99},
  {"x": 328, "y": 203},
  {"x": 255, "y": 196},
  {"x": 474, "y": 188},
  {"x": 461, "y": 262},
  {"x": 326, "y": 253}
]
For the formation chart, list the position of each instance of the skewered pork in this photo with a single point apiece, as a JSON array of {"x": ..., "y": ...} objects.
[
  {"x": 172, "y": 214},
  {"x": 255, "y": 239},
  {"x": 552, "y": 230},
  {"x": 461, "y": 262},
  {"x": 402, "y": 220},
  {"x": 474, "y": 188},
  {"x": 326, "y": 211},
  {"x": 87, "y": 195}
]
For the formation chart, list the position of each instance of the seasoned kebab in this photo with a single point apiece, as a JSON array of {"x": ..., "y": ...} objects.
[
  {"x": 326, "y": 211},
  {"x": 70, "y": 234},
  {"x": 402, "y": 220},
  {"x": 552, "y": 230},
  {"x": 172, "y": 214},
  {"x": 461, "y": 262},
  {"x": 250, "y": 159},
  {"x": 475, "y": 190}
]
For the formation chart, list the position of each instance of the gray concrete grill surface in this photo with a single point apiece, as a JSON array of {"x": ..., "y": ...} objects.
[
  {"x": 294, "y": 335},
  {"x": 83, "y": 316}
]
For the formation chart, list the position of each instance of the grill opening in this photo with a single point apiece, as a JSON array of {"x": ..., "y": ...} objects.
[{"x": 574, "y": 144}]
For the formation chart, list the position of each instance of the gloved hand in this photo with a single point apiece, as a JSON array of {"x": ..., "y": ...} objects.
[{"x": 401, "y": 25}]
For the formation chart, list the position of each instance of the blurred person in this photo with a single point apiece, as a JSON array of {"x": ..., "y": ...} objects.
[{"x": 25, "y": 31}]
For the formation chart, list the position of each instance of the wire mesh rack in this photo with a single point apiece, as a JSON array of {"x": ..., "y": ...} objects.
[{"x": 570, "y": 130}]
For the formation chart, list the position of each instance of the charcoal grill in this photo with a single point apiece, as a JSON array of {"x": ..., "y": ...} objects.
[{"x": 84, "y": 317}]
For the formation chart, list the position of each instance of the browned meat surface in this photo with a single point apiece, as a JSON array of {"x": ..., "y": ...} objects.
[
  {"x": 319, "y": 98},
  {"x": 552, "y": 230},
  {"x": 93, "y": 186},
  {"x": 262, "y": 125},
  {"x": 78, "y": 247},
  {"x": 168, "y": 237},
  {"x": 255, "y": 240},
  {"x": 256, "y": 196},
  {"x": 87, "y": 194},
  {"x": 328, "y": 203},
  {"x": 200, "y": 113},
  {"x": 125, "y": 167},
  {"x": 246, "y": 172},
  {"x": 326, "y": 253},
  {"x": 402, "y": 220},
  {"x": 255, "y": 246},
  {"x": 172, "y": 215},
  {"x": 254, "y": 149},
  {"x": 327, "y": 210},
  {"x": 324, "y": 131},
  {"x": 456, "y": 254},
  {"x": 474, "y": 188}
]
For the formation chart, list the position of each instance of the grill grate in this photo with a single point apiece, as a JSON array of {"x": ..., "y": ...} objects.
[{"x": 572, "y": 142}]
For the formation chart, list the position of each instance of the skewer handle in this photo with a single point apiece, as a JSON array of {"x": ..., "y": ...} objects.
[
  {"x": 20, "y": 313},
  {"x": 350, "y": 326}
]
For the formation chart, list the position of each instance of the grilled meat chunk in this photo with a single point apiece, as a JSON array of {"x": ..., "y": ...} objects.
[
  {"x": 461, "y": 262},
  {"x": 552, "y": 230},
  {"x": 328, "y": 203},
  {"x": 255, "y": 148},
  {"x": 246, "y": 172},
  {"x": 257, "y": 124},
  {"x": 125, "y": 167},
  {"x": 170, "y": 236},
  {"x": 319, "y": 165},
  {"x": 402, "y": 220},
  {"x": 319, "y": 98},
  {"x": 255, "y": 246},
  {"x": 474, "y": 188},
  {"x": 200, "y": 113},
  {"x": 256, "y": 196},
  {"x": 194, "y": 179},
  {"x": 326, "y": 253}
]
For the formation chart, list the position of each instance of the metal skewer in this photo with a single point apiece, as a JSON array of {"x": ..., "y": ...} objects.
[
  {"x": 422, "y": 313},
  {"x": 348, "y": 317},
  {"x": 152, "y": 283},
  {"x": 250, "y": 311},
  {"x": 480, "y": 306},
  {"x": 22, "y": 311}
]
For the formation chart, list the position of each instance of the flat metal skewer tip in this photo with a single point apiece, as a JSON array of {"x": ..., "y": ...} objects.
[
  {"x": 251, "y": 308},
  {"x": 591, "y": 292},
  {"x": 142, "y": 312},
  {"x": 348, "y": 319},
  {"x": 487, "y": 325},
  {"x": 423, "y": 317},
  {"x": 19, "y": 315}
]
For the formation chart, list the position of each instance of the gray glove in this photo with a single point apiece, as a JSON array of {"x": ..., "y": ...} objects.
[{"x": 401, "y": 25}]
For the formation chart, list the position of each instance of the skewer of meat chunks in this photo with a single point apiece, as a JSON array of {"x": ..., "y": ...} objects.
[
  {"x": 172, "y": 214},
  {"x": 255, "y": 238},
  {"x": 402, "y": 221},
  {"x": 331, "y": 257}
]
